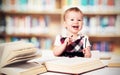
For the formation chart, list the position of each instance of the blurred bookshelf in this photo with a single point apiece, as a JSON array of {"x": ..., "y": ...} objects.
[
  {"x": 39, "y": 21},
  {"x": 36, "y": 21}
]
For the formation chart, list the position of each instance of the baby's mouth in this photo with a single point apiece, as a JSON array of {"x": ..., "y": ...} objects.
[{"x": 75, "y": 26}]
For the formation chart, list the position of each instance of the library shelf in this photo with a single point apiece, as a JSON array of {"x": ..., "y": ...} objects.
[{"x": 52, "y": 16}]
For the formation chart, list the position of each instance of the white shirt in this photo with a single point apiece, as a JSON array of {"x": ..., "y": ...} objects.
[{"x": 84, "y": 40}]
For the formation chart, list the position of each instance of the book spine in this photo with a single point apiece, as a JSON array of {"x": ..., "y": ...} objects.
[
  {"x": 103, "y": 46},
  {"x": 101, "y": 24},
  {"x": 38, "y": 42},
  {"x": 26, "y": 24},
  {"x": 29, "y": 5},
  {"x": 95, "y": 5},
  {"x": 2, "y": 23}
]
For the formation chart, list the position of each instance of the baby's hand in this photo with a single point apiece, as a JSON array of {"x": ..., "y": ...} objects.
[
  {"x": 86, "y": 52},
  {"x": 69, "y": 40}
]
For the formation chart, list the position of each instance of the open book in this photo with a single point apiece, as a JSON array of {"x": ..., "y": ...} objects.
[
  {"x": 27, "y": 68},
  {"x": 19, "y": 51},
  {"x": 75, "y": 65}
]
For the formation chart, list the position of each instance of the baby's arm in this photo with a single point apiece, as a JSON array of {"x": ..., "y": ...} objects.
[{"x": 58, "y": 50}]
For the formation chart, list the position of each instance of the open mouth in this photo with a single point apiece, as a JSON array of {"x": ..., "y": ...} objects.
[{"x": 75, "y": 26}]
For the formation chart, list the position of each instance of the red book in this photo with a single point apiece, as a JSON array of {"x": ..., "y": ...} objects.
[{"x": 110, "y": 2}]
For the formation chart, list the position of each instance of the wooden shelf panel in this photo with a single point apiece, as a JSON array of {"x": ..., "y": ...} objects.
[
  {"x": 105, "y": 38},
  {"x": 29, "y": 35},
  {"x": 101, "y": 13},
  {"x": 57, "y": 11}
]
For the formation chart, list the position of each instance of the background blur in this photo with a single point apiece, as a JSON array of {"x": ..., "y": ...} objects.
[{"x": 39, "y": 21}]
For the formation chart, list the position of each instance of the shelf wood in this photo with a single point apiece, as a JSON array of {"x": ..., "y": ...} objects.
[
  {"x": 29, "y": 35},
  {"x": 108, "y": 13},
  {"x": 105, "y": 38},
  {"x": 57, "y": 11}
]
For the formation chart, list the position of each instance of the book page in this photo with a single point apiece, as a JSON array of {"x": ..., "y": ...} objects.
[
  {"x": 32, "y": 56},
  {"x": 74, "y": 65},
  {"x": 71, "y": 61},
  {"x": 14, "y": 49},
  {"x": 21, "y": 59},
  {"x": 13, "y": 46},
  {"x": 2, "y": 46},
  {"x": 20, "y": 53},
  {"x": 24, "y": 69}
]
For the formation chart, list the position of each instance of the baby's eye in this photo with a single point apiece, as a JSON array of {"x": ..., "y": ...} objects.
[
  {"x": 72, "y": 19},
  {"x": 79, "y": 20}
]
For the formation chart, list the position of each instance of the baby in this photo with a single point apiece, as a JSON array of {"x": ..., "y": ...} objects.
[{"x": 73, "y": 43}]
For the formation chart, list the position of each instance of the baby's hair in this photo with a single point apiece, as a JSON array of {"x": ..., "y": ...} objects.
[{"x": 76, "y": 9}]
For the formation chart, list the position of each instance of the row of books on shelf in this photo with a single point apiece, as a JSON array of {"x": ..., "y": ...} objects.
[
  {"x": 102, "y": 24},
  {"x": 51, "y": 5},
  {"x": 2, "y": 23},
  {"x": 42, "y": 43},
  {"x": 27, "y": 24},
  {"x": 95, "y": 5},
  {"x": 103, "y": 46},
  {"x": 37, "y": 25},
  {"x": 28, "y": 5}
]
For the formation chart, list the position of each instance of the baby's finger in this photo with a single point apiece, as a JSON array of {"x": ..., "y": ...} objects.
[{"x": 83, "y": 51}]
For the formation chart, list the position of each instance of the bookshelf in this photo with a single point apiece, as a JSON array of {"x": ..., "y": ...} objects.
[
  {"x": 101, "y": 21},
  {"x": 34, "y": 21}
]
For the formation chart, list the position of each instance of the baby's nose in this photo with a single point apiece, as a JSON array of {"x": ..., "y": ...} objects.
[{"x": 75, "y": 21}]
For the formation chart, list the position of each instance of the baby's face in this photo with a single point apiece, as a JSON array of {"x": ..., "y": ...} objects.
[{"x": 74, "y": 21}]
